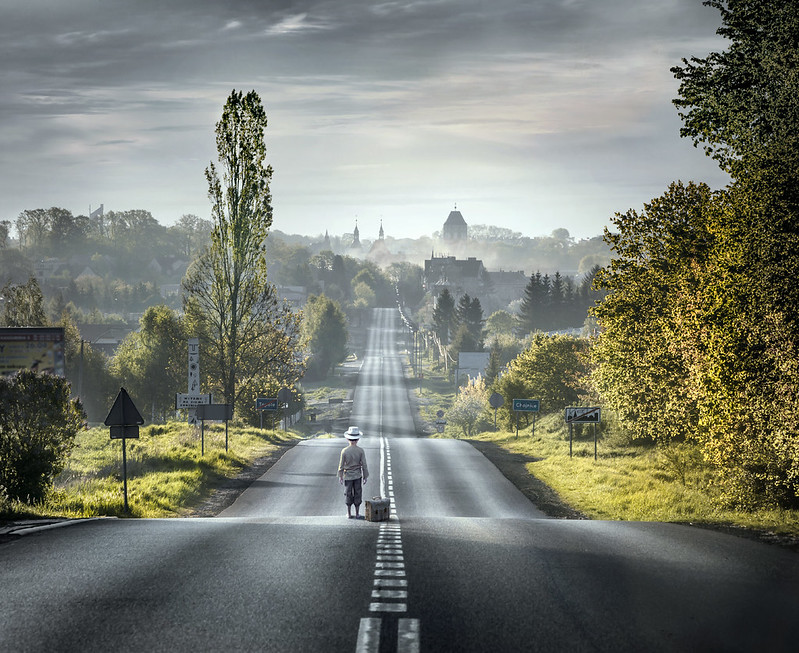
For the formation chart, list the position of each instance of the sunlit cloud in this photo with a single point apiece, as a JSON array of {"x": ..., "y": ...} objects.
[{"x": 295, "y": 24}]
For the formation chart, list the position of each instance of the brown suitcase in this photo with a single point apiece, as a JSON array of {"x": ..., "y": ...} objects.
[{"x": 377, "y": 509}]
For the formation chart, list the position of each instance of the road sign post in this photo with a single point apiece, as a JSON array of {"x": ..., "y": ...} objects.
[
  {"x": 526, "y": 406},
  {"x": 495, "y": 401},
  {"x": 284, "y": 397},
  {"x": 266, "y": 403},
  {"x": 219, "y": 412},
  {"x": 124, "y": 420},
  {"x": 583, "y": 415}
]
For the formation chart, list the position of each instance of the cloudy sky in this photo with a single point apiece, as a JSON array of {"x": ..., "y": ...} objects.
[{"x": 529, "y": 114}]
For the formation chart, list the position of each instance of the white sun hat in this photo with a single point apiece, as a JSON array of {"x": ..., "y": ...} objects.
[{"x": 353, "y": 433}]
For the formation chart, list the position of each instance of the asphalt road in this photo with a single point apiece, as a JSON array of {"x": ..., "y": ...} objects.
[{"x": 466, "y": 563}]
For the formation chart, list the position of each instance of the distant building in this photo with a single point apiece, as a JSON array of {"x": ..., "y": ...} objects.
[
  {"x": 295, "y": 295},
  {"x": 455, "y": 227},
  {"x": 507, "y": 287},
  {"x": 459, "y": 276},
  {"x": 356, "y": 238}
]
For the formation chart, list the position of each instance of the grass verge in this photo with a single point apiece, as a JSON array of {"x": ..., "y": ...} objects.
[
  {"x": 167, "y": 474},
  {"x": 627, "y": 482},
  {"x": 630, "y": 482}
]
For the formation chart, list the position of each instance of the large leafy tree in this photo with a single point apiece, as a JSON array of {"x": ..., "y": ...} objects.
[
  {"x": 23, "y": 305},
  {"x": 239, "y": 318},
  {"x": 647, "y": 355},
  {"x": 742, "y": 105},
  {"x": 552, "y": 369},
  {"x": 151, "y": 362},
  {"x": 325, "y": 330},
  {"x": 700, "y": 334}
]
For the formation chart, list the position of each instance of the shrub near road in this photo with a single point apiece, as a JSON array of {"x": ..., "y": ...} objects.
[{"x": 38, "y": 425}]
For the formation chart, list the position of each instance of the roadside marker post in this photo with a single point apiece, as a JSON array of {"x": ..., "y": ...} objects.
[
  {"x": 583, "y": 415},
  {"x": 217, "y": 412},
  {"x": 124, "y": 420},
  {"x": 495, "y": 401},
  {"x": 526, "y": 406},
  {"x": 266, "y": 403}
]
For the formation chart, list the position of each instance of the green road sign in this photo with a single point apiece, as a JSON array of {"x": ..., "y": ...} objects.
[{"x": 526, "y": 405}]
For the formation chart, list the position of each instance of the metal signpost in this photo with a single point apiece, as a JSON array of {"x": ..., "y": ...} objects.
[
  {"x": 218, "y": 412},
  {"x": 526, "y": 406},
  {"x": 266, "y": 403},
  {"x": 495, "y": 401},
  {"x": 283, "y": 398},
  {"x": 124, "y": 420},
  {"x": 440, "y": 421},
  {"x": 583, "y": 415}
]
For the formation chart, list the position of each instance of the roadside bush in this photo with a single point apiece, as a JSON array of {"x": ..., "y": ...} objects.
[
  {"x": 469, "y": 407},
  {"x": 552, "y": 369},
  {"x": 38, "y": 425}
]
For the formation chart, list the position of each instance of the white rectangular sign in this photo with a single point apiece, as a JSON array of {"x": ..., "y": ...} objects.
[
  {"x": 583, "y": 415},
  {"x": 191, "y": 400}
]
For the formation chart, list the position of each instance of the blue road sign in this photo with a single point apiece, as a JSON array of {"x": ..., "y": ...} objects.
[
  {"x": 526, "y": 405},
  {"x": 266, "y": 403}
]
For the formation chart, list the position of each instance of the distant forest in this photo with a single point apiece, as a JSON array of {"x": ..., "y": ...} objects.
[{"x": 110, "y": 268}]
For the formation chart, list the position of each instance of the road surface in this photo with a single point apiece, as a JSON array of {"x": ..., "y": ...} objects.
[{"x": 466, "y": 563}]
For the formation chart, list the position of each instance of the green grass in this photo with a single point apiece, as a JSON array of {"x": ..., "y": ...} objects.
[
  {"x": 627, "y": 482},
  {"x": 167, "y": 474}
]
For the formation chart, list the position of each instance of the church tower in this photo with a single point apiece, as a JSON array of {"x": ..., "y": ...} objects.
[{"x": 455, "y": 226}]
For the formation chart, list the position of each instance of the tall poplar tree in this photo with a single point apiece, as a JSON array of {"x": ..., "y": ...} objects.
[{"x": 239, "y": 318}]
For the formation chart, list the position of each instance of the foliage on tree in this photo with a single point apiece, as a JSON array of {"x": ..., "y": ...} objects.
[
  {"x": 444, "y": 318},
  {"x": 741, "y": 103},
  {"x": 87, "y": 371},
  {"x": 237, "y": 314},
  {"x": 407, "y": 279},
  {"x": 325, "y": 329},
  {"x": 469, "y": 314},
  {"x": 15, "y": 267},
  {"x": 553, "y": 369},
  {"x": 38, "y": 425},
  {"x": 193, "y": 234},
  {"x": 495, "y": 362},
  {"x": 5, "y": 228},
  {"x": 469, "y": 406},
  {"x": 501, "y": 323},
  {"x": 713, "y": 354},
  {"x": 643, "y": 356},
  {"x": 151, "y": 362},
  {"x": 23, "y": 305}
]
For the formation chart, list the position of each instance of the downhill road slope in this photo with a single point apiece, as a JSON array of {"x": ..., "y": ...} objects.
[{"x": 466, "y": 563}]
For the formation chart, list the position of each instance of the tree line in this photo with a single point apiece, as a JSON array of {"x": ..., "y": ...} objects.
[{"x": 698, "y": 338}]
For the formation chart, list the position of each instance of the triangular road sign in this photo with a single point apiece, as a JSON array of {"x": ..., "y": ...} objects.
[{"x": 123, "y": 412}]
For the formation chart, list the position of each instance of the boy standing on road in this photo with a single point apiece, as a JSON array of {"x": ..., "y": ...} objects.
[{"x": 352, "y": 471}]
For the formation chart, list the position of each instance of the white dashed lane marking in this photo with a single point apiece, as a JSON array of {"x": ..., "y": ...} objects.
[{"x": 390, "y": 586}]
